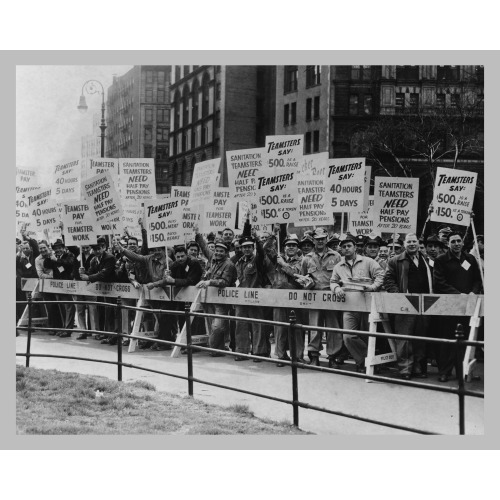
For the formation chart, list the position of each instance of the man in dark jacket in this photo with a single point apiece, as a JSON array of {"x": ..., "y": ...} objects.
[
  {"x": 454, "y": 272},
  {"x": 251, "y": 274},
  {"x": 102, "y": 268},
  {"x": 221, "y": 272},
  {"x": 185, "y": 271},
  {"x": 409, "y": 272},
  {"x": 62, "y": 263}
]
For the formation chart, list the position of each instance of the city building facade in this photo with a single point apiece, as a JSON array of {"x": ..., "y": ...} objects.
[
  {"x": 91, "y": 143},
  {"x": 138, "y": 117},
  {"x": 215, "y": 109}
]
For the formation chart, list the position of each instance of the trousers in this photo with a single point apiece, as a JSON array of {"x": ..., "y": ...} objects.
[
  {"x": 282, "y": 340},
  {"x": 356, "y": 344},
  {"x": 328, "y": 319},
  {"x": 218, "y": 326},
  {"x": 261, "y": 345}
]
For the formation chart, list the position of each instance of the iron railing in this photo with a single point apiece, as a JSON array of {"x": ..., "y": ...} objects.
[{"x": 459, "y": 341}]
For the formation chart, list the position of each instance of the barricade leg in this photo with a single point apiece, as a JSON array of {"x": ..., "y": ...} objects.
[
  {"x": 30, "y": 314},
  {"x": 470, "y": 352},
  {"x": 137, "y": 322},
  {"x": 187, "y": 325},
  {"x": 119, "y": 338}
]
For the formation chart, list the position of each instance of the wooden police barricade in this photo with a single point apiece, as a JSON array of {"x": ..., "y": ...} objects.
[
  {"x": 31, "y": 285},
  {"x": 458, "y": 305}
]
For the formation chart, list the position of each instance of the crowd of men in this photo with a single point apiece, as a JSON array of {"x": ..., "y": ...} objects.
[{"x": 435, "y": 263}]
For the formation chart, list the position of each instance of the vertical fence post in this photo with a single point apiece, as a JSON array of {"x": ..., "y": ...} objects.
[
  {"x": 119, "y": 344},
  {"x": 293, "y": 348},
  {"x": 189, "y": 352},
  {"x": 459, "y": 334},
  {"x": 30, "y": 315}
]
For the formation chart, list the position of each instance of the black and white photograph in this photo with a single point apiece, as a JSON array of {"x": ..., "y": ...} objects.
[{"x": 251, "y": 249}]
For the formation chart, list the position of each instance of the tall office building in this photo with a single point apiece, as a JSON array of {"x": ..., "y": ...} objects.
[
  {"x": 138, "y": 114},
  {"x": 215, "y": 109},
  {"x": 91, "y": 143}
]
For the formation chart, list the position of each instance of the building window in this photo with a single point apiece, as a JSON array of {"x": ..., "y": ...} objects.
[
  {"x": 205, "y": 96},
  {"x": 177, "y": 110},
  {"x": 160, "y": 96},
  {"x": 194, "y": 109},
  {"x": 186, "y": 71},
  {"x": 455, "y": 101},
  {"x": 353, "y": 104},
  {"x": 148, "y": 152},
  {"x": 308, "y": 142},
  {"x": 161, "y": 78},
  {"x": 161, "y": 115},
  {"x": 313, "y": 75},
  {"x": 316, "y": 107},
  {"x": 291, "y": 77},
  {"x": 286, "y": 114},
  {"x": 218, "y": 69},
  {"x": 184, "y": 142},
  {"x": 177, "y": 73},
  {"x": 440, "y": 101},
  {"x": 193, "y": 138},
  {"x": 308, "y": 109},
  {"x": 407, "y": 72},
  {"x": 316, "y": 141},
  {"x": 148, "y": 134},
  {"x": 294, "y": 113},
  {"x": 448, "y": 72},
  {"x": 185, "y": 106},
  {"x": 149, "y": 76},
  {"x": 149, "y": 96},
  {"x": 355, "y": 72},
  {"x": 414, "y": 101},
  {"x": 400, "y": 102},
  {"x": 149, "y": 114},
  {"x": 162, "y": 134},
  {"x": 203, "y": 135},
  {"x": 368, "y": 104},
  {"x": 162, "y": 154}
]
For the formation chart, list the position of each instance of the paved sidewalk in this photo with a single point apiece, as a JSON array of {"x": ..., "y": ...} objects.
[{"x": 433, "y": 411}]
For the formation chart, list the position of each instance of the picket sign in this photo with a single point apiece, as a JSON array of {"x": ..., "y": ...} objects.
[
  {"x": 470, "y": 351},
  {"x": 31, "y": 285}
]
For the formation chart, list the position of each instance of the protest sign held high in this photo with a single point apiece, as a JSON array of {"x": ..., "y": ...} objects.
[
  {"x": 395, "y": 204},
  {"x": 26, "y": 182},
  {"x": 203, "y": 184},
  {"x": 132, "y": 212},
  {"x": 66, "y": 181},
  {"x": 189, "y": 218},
  {"x": 311, "y": 191},
  {"x": 163, "y": 222},
  {"x": 453, "y": 196},
  {"x": 277, "y": 181},
  {"x": 220, "y": 212},
  {"x": 104, "y": 203},
  {"x": 345, "y": 184},
  {"x": 362, "y": 222},
  {"x": 95, "y": 166},
  {"x": 137, "y": 179},
  {"x": 243, "y": 167},
  {"x": 43, "y": 210},
  {"x": 80, "y": 226}
]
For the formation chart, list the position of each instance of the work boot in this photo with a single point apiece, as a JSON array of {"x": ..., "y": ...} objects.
[{"x": 314, "y": 357}]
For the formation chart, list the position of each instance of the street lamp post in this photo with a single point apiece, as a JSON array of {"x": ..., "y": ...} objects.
[{"x": 90, "y": 86}]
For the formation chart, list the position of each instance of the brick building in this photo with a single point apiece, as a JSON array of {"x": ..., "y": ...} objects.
[
  {"x": 138, "y": 117},
  {"x": 215, "y": 109}
]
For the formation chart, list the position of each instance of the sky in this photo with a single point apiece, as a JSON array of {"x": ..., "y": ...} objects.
[{"x": 49, "y": 126}]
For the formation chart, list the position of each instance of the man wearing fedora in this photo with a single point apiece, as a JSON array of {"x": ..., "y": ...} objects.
[
  {"x": 62, "y": 262},
  {"x": 318, "y": 266},
  {"x": 220, "y": 273},
  {"x": 102, "y": 268}
]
